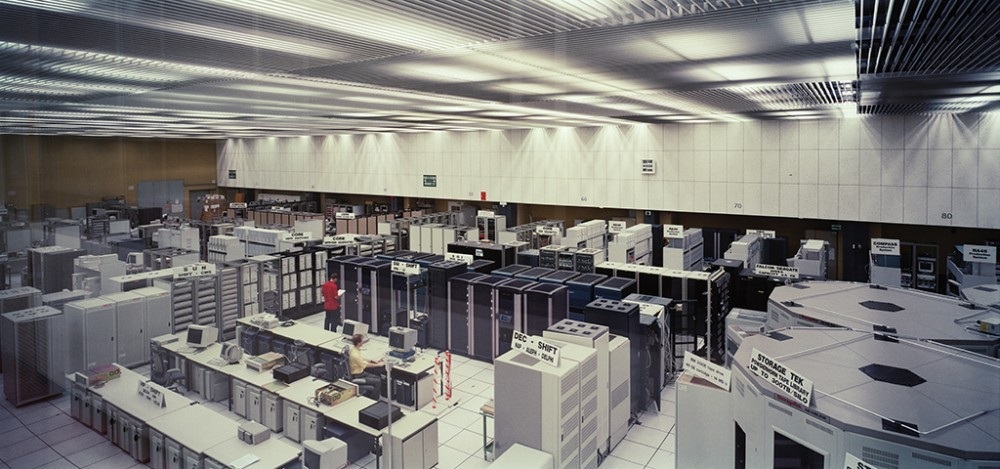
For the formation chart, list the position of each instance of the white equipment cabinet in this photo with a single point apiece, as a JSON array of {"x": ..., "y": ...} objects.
[
  {"x": 418, "y": 448},
  {"x": 132, "y": 342},
  {"x": 90, "y": 326},
  {"x": 586, "y": 359},
  {"x": 301, "y": 423},
  {"x": 538, "y": 405},
  {"x": 34, "y": 346},
  {"x": 621, "y": 392},
  {"x": 157, "y": 311},
  {"x": 522, "y": 457},
  {"x": 594, "y": 336}
]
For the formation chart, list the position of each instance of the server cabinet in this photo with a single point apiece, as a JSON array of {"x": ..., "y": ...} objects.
[
  {"x": 481, "y": 325},
  {"x": 114, "y": 424},
  {"x": 534, "y": 274},
  {"x": 350, "y": 281},
  {"x": 132, "y": 344},
  {"x": 292, "y": 423},
  {"x": 76, "y": 396},
  {"x": 90, "y": 326},
  {"x": 157, "y": 450},
  {"x": 509, "y": 313},
  {"x": 376, "y": 295},
  {"x": 238, "y": 403},
  {"x": 98, "y": 420},
  {"x": 545, "y": 304},
  {"x": 560, "y": 277},
  {"x": 459, "y": 308},
  {"x": 34, "y": 343},
  {"x": 157, "y": 314},
  {"x": 438, "y": 275},
  {"x": 615, "y": 288},
  {"x": 255, "y": 404},
  {"x": 623, "y": 319},
  {"x": 273, "y": 411}
]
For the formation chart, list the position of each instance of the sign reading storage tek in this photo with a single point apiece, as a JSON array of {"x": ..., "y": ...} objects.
[
  {"x": 788, "y": 381},
  {"x": 536, "y": 347},
  {"x": 853, "y": 462}
]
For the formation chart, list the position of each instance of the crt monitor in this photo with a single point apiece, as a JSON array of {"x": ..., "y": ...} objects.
[
  {"x": 402, "y": 339},
  {"x": 328, "y": 453},
  {"x": 201, "y": 336},
  {"x": 352, "y": 327}
]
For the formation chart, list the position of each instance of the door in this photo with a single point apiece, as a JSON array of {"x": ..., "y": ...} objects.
[
  {"x": 197, "y": 203},
  {"x": 100, "y": 333},
  {"x": 131, "y": 327},
  {"x": 272, "y": 412},
  {"x": 854, "y": 245}
]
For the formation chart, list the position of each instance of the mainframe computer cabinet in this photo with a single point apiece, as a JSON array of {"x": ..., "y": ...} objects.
[
  {"x": 239, "y": 398},
  {"x": 90, "y": 326},
  {"x": 158, "y": 314},
  {"x": 132, "y": 342}
]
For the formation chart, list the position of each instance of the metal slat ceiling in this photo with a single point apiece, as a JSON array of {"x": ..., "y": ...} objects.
[{"x": 212, "y": 68}]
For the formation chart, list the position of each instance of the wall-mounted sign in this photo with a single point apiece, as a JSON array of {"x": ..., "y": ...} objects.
[
  {"x": 973, "y": 253},
  {"x": 673, "y": 231},
  {"x": 199, "y": 269},
  {"x": 232, "y": 174},
  {"x": 536, "y": 347},
  {"x": 789, "y": 382},
  {"x": 704, "y": 369},
  {"x": 888, "y": 247},
  {"x": 430, "y": 180},
  {"x": 648, "y": 167},
  {"x": 779, "y": 271}
]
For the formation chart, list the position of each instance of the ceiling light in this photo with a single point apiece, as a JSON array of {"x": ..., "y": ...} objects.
[{"x": 500, "y": 114}]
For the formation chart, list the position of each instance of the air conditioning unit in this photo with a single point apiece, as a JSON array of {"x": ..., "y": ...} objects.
[{"x": 34, "y": 354}]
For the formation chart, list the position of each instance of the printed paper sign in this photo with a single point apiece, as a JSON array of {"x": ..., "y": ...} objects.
[
  {"x": 296, "y": 236},
  {"x": 451, "y": 256},
  {"x": 546, "y": 230},
  {"x": 889, "y": 247},
  {"x": 853, "y": 462},
  {"x": 616, "y": 226},
  {"x": 536, "y": 347},
  {"x": 408, "y": 268},
  {"x": 344, "y": 216},
  {"x": 200, "y": 269},
  {"x": 237, "y": 205},
  {"x": 763, "y": 233},
  {"x": 791, "y": 383},
  {"x": 673, "y": 231},
  {"x": 779, "y": 271},
  {"x": 715, "y": 374},
  {"x": 648, "y": 167},
  {"x": 486, "y": 213},
  {"x": 973, "y": 253}
]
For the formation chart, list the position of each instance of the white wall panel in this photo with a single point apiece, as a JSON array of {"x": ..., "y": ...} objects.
[{"x": 892, "y": 169}]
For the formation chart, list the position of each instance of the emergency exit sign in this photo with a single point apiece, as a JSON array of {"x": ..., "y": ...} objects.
[
  {"x": 430, "y": 180},
  {"x": 232, "y": 174}
]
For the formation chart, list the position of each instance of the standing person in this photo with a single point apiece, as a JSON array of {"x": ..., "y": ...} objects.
[{"x": 331, "y": 303}]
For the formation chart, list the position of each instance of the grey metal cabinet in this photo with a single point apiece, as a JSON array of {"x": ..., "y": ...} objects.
[
  {"x": 157, "y": 450},
  {"x": 77, "y": 394},
  {"x": 292, "y": 419},
  {"x": 192, "y": 460},
  {"x": 90, "y": 326},
  {"x": 139, "y": 441},
  {"x": 210, "y": 463},
  {"x": 130, "y": 326},
  {"x": 124, "y": 431},
  {"x": 311, "y": 424},
  {"x": 98, "y": 419},
  {"x": 272, "y": 411},
  {"x": 254, "y": 404},
  {"x": 173, "y": 459},
  {"x": 113, "y": 424},
  {"x": 239, "y": 398}
]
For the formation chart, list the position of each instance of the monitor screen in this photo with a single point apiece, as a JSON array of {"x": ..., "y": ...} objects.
[
  {"x": 395, "y": 340},
  {"x": 194, "y": 337},
  {"x": 349, "y": 329}
]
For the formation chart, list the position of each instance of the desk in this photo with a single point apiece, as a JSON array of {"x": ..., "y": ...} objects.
[
  {"x": 188, "y": 433},
  {"x": 201, "y": 375},
  {"x": 413, "y": 382},
  {"x": 303, "y": 416},
  {"x": 273, "y": 453},
  {"x": 310, "y": 335},
  {"x": 254, "y": 395}
]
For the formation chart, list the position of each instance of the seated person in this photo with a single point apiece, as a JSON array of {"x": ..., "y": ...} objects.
[{"x": 358, "y": 365}]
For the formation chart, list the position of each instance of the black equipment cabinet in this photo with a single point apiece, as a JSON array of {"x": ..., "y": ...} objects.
[
  {"x": 481, "y": 324},
  {"x": 438, "y": 275},
  {"x": 623, "y": 319},
  {"x": 459, "y": 297},
  {"x": 376, "y": 295},
  {"x": 509, "y": 313},
  {"x": 545, "y": 305}
]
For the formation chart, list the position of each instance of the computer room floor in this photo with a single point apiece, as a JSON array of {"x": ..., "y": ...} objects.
[{"x": 43, "y": 434}]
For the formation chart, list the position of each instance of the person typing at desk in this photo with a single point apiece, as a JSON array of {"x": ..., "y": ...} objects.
[{"x": 358, "y": 364}]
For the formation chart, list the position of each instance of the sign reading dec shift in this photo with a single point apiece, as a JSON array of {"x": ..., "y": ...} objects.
[{"x": 536, "y": 347}]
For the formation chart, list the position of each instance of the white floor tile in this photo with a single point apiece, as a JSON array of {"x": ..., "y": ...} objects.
[
  {"x": 450, "y": 458},
  {"x": 65, "y": 433},
  {"x": 613, "y": 462},
  {"x": 633, "y": 452},
  {"x": 662, "y": 460},
  {"x": 77, "y": 444},
  {"x": 670, "y": 443},
  {"x": 117, "y": 461},
  {"x": 466, "y": 442},
  {"x": 61, "y": 463},
  {"x": 473, "y": 386},
  {"x": 475, "y": 462},
  {"x": 646, "y": 436},
  {"x": 485, "y": 375},
  {"x": 52, "y": 423},
  {"x": 461, "y": 418},
  {"x": 93, "y": 454},
  {"x": 659, "y": 422},
  {"x": 446, "y": 431},
  {"x": 13, "y": 451},
  {"x": 34, "y": 459}
]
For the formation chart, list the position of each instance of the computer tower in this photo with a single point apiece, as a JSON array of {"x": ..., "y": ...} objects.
[
  {"x": 615, "y": 288},
  {"x": 459, "y": 307},
  {"x": 509, "y": 314},
  {"x": 438, "y": 275},
  {"x": 91, "y": 334},
  {"x": 545, "y": 304},
  {"x": 482, "y": 328},
  {"x": 586, "y": 359},
  {"x": 623, "y": 319},
  {"x": 538, "y": 405},
  {"x": 596, "y": 337},
  {"x": 581, "y": 292},
  {"x": 34, "y": 350}
]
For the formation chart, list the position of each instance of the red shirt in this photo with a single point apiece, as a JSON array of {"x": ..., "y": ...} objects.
[{"x": 331, "y": 297}]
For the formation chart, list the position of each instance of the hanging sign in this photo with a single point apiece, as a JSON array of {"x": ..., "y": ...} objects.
[
  {"x": 486, "y": 213},
  {"x": 779, "y": 271},
  {"x": 888, "y": 247},
  {"x": 536, "y": 347},
  {"x": 296, "y": 236},
  {"x": 465, "y": 258},
  {"x": 407, "y": 268},
  {"x": 715, "y": 374},
  {"x": 973, "y": 253},
  {"x": 789, "y": 382},
  {"x": 345, "y": 216},
  {"x": 200, "y": 269}
]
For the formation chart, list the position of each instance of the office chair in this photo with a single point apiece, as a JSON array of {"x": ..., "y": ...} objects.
[{"x": 160, "y": 371}]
